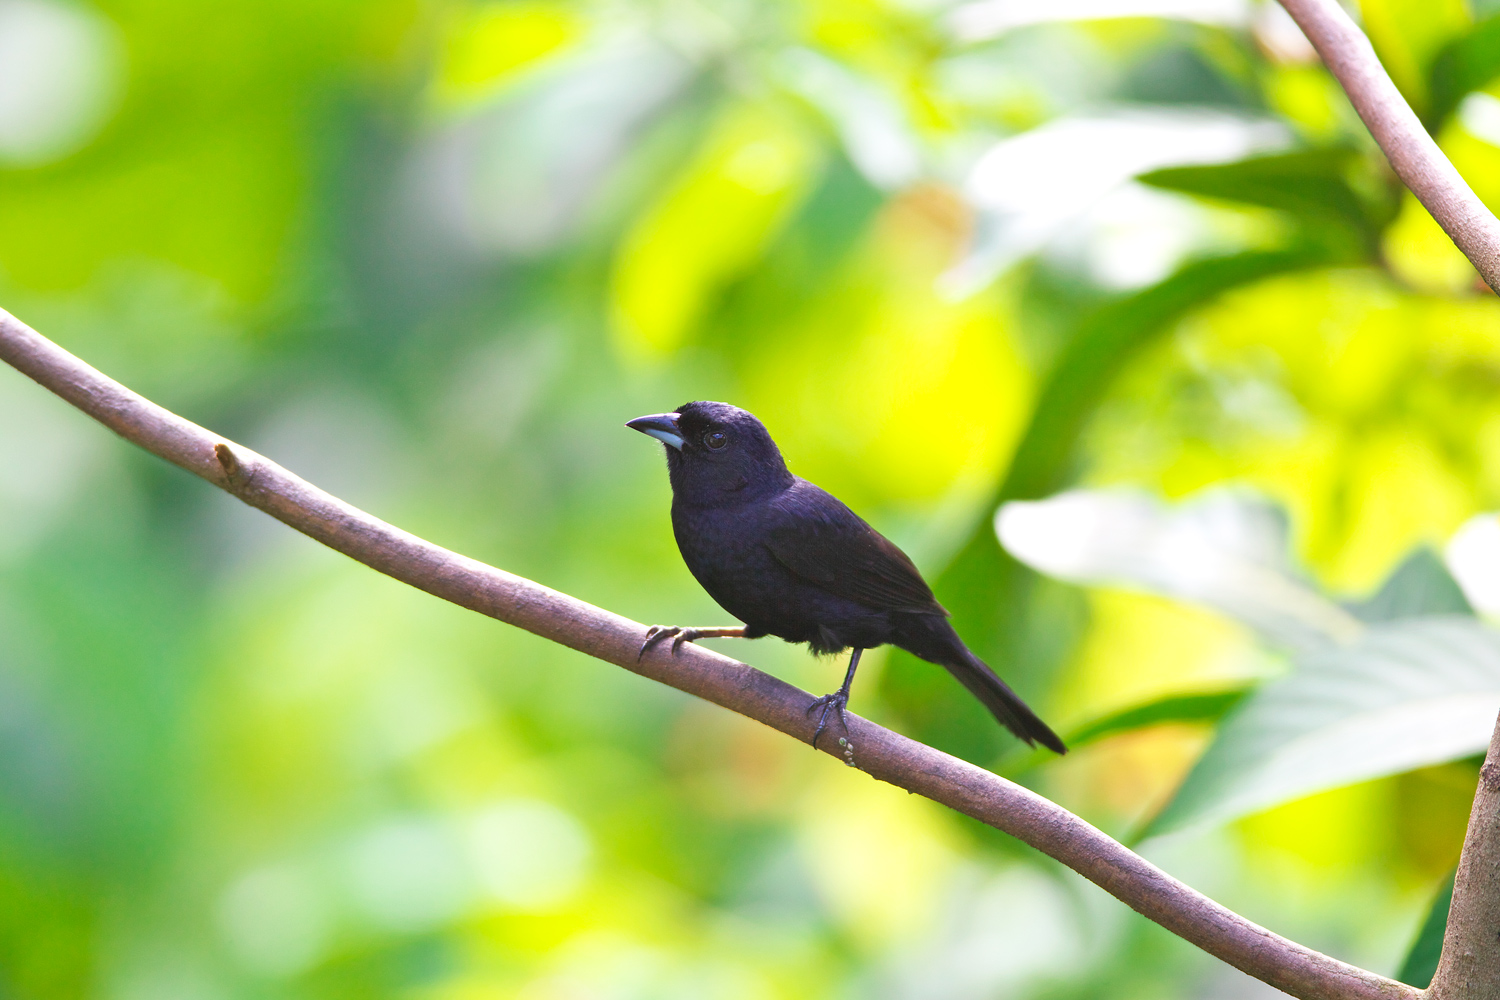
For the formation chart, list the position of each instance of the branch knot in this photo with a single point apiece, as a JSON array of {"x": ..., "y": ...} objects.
[{"x": 229, "y": 462}]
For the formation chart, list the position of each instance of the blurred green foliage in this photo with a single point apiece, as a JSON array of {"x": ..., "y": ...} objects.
[{"x": 432, "y": 255}]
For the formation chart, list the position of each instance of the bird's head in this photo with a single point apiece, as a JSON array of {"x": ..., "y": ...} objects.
[{"x": 716, "y": 452}]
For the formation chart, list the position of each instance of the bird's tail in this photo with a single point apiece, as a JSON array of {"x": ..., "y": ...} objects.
[{"x": 1006, "y": 706}]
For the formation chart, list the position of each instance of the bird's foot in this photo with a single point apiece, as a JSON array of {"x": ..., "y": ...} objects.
[
  {"x": 830, "y": 703},
  {"x": 656, "y": 633},
  {"x": 680, "y": 634}
]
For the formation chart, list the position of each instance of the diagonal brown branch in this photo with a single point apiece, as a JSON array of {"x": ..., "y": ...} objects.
[
  {"x": 879, "y": 752},
  {"x": 1412, "y": 153}
]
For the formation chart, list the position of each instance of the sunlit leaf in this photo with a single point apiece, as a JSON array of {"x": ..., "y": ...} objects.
[
  {"x": 1101, "y": 346},
  {"x": 1224, "y": 550},
  {"x": 718, "y": 218},
  {"x": 1030, "y": 188},
  {"x": 1422, "y": 960},
  {"x": 489, "y": 43},
  {"x": 889, "y": 351},
  {"x": 1407, "y": 35},
  {"x": 1471, "y": 139},
  {"x": 1463, "y": 65},
  {"x": 1406, "y": 694},
  {"x": 1417, "y": 250},
  {"x": 1310, "y": 185},
  {"x": 1200, "y": 707},
  {"x": 1420, "y": 586}
]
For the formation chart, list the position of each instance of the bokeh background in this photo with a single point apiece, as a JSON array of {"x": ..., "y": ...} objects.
[{"x": 431, "y": 255}]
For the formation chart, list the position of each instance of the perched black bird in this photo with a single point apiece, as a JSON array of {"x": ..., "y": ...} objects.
[{"x": 790, "y": 560}]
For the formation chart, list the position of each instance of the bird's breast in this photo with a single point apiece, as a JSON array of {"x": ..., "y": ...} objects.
[
  {"x": 720, "y": 548},
  {"x": 725, "y": 551}
]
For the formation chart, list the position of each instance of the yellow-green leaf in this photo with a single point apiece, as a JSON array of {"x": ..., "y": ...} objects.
[
  {"x": 708, "y": 227},
  {"x": 485, "y": 46},
  {"x": 1408, "y": 34}
]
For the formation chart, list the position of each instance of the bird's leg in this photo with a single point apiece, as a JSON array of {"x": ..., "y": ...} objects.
[
  {"x": 835, "y": 701},
  {"x": 682, "y": 633}
]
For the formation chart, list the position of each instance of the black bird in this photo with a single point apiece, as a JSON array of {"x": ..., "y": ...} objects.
[{"x": 790, "y": 560}]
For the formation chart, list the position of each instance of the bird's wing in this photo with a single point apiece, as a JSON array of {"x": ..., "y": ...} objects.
[{"x": 827, "y": 544}]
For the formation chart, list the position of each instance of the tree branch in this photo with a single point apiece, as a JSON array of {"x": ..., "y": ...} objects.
[
  {"x": 738, "y": 687},
  {"x": 1412, "y": 153},
  {"x": 1470, "y": 965}
]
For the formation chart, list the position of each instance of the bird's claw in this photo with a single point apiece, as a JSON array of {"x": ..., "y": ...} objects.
[
  {"x": 656, "y": 633},
  {"x": 829, "y": 702}
]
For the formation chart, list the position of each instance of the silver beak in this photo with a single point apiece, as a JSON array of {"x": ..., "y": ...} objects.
[{"x": 662, "y": 426}]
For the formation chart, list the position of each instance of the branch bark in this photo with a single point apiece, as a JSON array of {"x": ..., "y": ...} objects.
[
  {"x": 1469, "y": 968},
  {"x": 736, "y": 686},
  {"x": 1412, "y": 153}
]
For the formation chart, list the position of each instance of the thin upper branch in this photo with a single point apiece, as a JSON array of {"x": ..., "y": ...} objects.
[
  {"x": 1412, "y": 153},
  {"x": 1470, "y": 964},
  {"x": 740, "y": 688}
]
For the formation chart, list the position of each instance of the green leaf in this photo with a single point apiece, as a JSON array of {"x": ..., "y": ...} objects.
[
  {"x": 1462, "y": 66},
  {"x": 1420, "y": 586},
  {"x": 1224, "y": 549},
  {"x": 750, "y": 175},
  {"x": 1422, "y": 961},
  {"x": 1107, "y": 340},
  {"x": 1203, "y": 706},
  {"x": 1018, "y": 623},
  {"x": 1408, "y": 34},
  {"x": 1313, "y": 186},
  {"x": 1406, "y": 694}
]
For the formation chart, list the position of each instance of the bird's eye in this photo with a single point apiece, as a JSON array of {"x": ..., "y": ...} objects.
[{"x": 715, "y": 440}]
